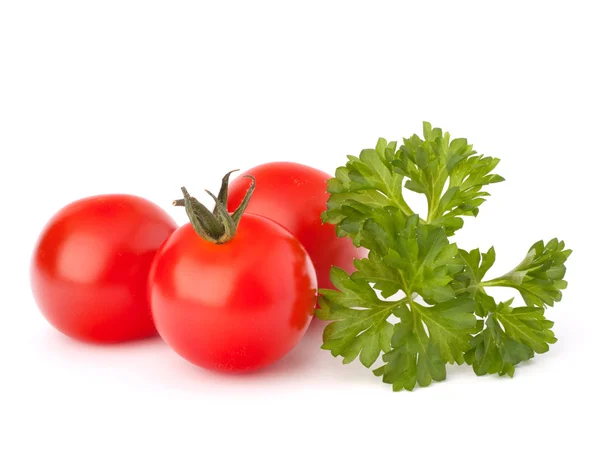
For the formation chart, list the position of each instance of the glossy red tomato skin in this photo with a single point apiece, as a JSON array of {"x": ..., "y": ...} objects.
[
  {"x": 295, "y": 196},
  {"x": 90, "y": 267},
  {"x": 237, "y": 306}
]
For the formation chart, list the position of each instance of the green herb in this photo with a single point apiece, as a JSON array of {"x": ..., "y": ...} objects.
[{"x": 443, "y": 312}]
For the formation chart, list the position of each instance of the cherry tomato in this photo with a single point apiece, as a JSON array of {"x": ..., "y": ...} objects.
[
  {"x": 295, "y": 195},
  {"x": 236, "y": 306},
  {"x": 90, "y": 267}
]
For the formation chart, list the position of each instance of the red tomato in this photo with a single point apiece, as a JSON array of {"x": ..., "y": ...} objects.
[
  {"x": 236, "y": 306},
  {"x": 90, "y": 267},
  {"x": 295, "y": 195}
]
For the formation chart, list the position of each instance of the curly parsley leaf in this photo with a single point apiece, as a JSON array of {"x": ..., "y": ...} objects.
[
  {"x": 449, "y": 173},
  {"x": 364, "y": 187},
  {"x": 413, "y": 358},
  {"x": 419, "y": 355},
  {"x": 419, "y": 261},
  {"x": 476, "y": 266},
  {"x": 539, "y": 277},
  {"x": 359, "y": 319},
  {"x": 511, "y": 336},
  {"x": 445, "y": 314}
]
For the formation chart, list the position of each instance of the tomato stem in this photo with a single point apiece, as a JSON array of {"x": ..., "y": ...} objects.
[{"x": 217, "y": 226}]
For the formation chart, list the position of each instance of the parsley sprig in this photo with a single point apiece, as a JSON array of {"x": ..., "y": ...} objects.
[{"x": 442, "y": 312}]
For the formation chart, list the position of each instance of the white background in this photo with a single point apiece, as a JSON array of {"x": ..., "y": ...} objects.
[{"x": 143, "y": 97}]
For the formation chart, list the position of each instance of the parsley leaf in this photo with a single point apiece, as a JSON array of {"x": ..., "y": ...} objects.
[
  {"x": 449, "y": 173},
  {"x": 539, "y": 277},
  {"x": 444, "y": 314},
  {"x": 413, "y": 358},
  {"x": 476, "y": 266},
  {"x": 418, "y": 356},
  {"x": 416, "y": 260},
  {"x": 360, "y": 325},
  {"x": 512, "y": 335}
]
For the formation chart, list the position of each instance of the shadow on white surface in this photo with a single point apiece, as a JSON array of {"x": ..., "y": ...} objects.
[
  {"x": 307, "y": 365},
  {"x": 152, "y": 361},
  {"x": 151, "y": 365}
]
